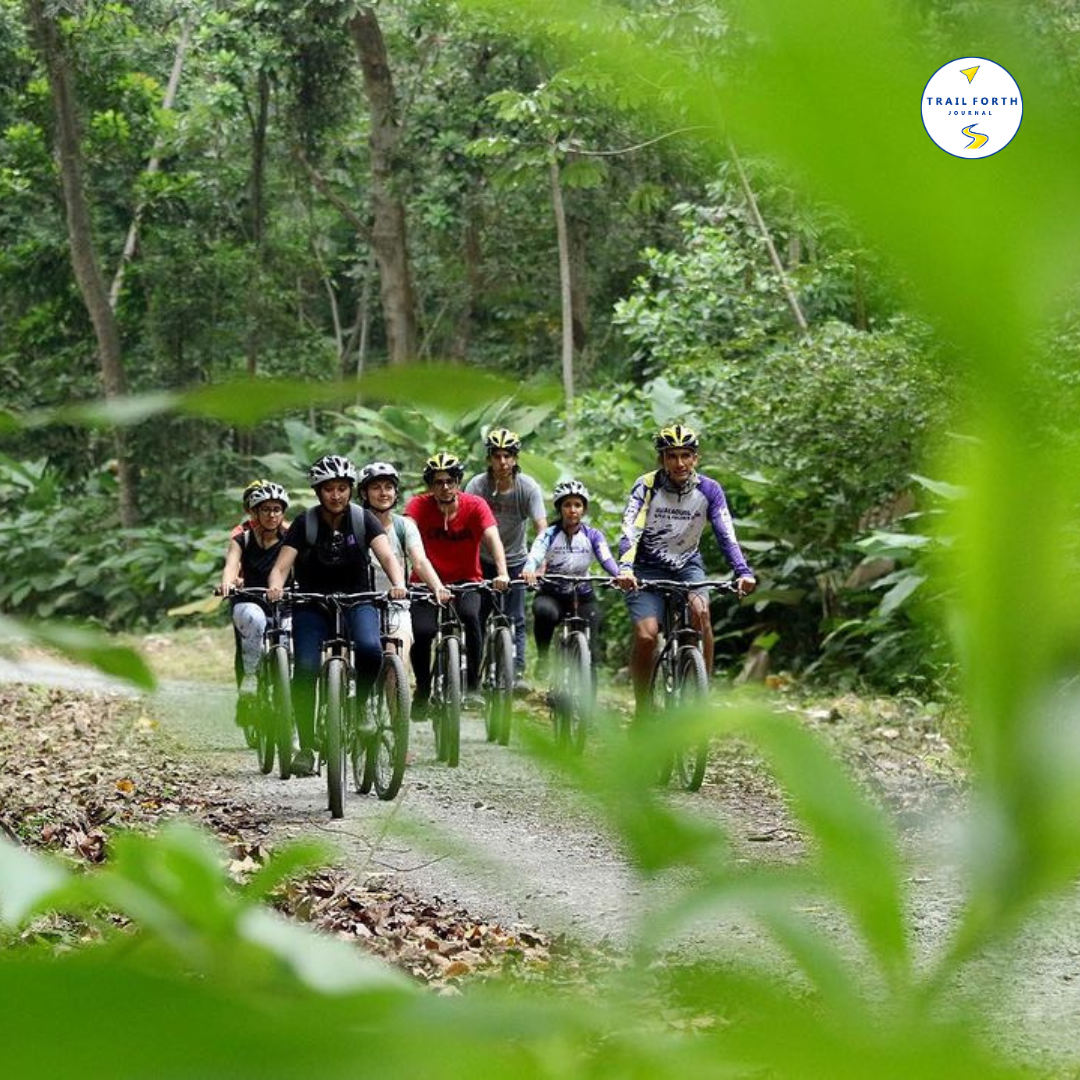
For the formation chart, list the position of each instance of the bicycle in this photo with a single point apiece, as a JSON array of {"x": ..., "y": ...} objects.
[
  {"x": 267, "y": 718},
  {"x": 679, "y": 677},
  {"x": 572, "y": 689},
  {"x": 447, "y": 676},
  {"x": 497, "y": 668},
  {"x": 336, "y": 720},
  {"x": 380, "y": 760}
]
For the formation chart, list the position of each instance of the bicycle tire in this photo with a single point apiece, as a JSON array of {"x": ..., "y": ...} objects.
[
  {"x": 261, "y": 722},
  {"x": 487, "y": 668},
  {"x": 362, "y": 751},
  {"x": 391, "y": 745},
  {"x": 661, "y": 697},
  {"x": 691, "y": 685},
  {"x": 281, "y": 708},
  {"x": 499, "y": 693},
  {"x": 451, "y": 718},
  {"x": 578, "y": 694},
  {"x": 332, "y": 736}
]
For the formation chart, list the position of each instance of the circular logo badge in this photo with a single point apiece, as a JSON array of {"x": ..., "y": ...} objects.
[{"x": 972, "y": 107}]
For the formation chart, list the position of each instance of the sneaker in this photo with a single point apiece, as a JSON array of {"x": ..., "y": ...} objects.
[
  {"x": 419, "y": 712},
  {"x": 473, "y": 701},
  {"x": 249, "y": 686},
  {"x": 303, "y": 763},
  {"x": 521, "y": 686},
  {"x": 365, "y": 724}
]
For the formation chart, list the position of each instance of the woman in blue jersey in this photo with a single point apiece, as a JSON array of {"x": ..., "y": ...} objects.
[{"x": 569, "y": 548}]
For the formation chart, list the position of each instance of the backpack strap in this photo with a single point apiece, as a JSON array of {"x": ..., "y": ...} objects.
[{"x": 311, "y": 525}]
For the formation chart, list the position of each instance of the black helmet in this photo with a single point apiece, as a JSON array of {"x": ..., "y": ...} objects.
[
  {"x": 503, "y": 439},
  {"x": 676, "y": 437},
  {"x": 443, "y": 462}
]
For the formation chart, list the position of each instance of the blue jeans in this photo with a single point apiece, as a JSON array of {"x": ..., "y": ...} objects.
[
  {"x": 311, "y": 627},
  {"x": 513, "y": 605}
]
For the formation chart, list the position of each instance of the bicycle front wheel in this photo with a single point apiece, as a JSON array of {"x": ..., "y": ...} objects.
[
  {"x": 578, "y": 695},
  {"x": 499, "y": 688},
  {"x": 333, "y": 722},
  {"x": 451, "y": 710},
  {"x": 281, "y": 711},
  {"x": 692, "y": 687},
  {"x": 391, "y": 743}
]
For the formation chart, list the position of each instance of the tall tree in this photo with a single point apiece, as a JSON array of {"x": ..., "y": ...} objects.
[
  {"x": 84, "y": 257},
  {"x": 388, "y": 234}
]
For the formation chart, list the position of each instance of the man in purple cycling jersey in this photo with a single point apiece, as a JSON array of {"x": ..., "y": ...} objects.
[{"x": 661, "y": 530}]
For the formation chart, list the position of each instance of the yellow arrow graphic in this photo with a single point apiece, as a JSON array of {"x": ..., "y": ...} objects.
[
  {"x": 969, "y": 72},
  {"x": 977, "y": 137}
]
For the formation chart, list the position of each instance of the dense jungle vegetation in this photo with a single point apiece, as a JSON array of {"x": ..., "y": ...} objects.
[{"x": 323, "y": 191}]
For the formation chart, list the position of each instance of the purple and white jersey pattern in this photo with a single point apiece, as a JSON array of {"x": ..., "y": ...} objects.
[
  {"x": 664, "y": 531},
  {"x": 571, "y": 555}
]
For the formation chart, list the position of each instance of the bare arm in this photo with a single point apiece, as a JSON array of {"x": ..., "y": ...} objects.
[
  {"x": 231, "y": 572},
  {"x": 280, "y": 574},
  {"x": 380, "y": 545},
  {"x": 494, "y": 545},
  {"x": 426, "y": 573}
]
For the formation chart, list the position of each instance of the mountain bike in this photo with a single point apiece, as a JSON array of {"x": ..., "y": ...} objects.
[
  {"x": 679, "y": 677},
  {"x": 497, "y": 667},
  {"x": 447, "y": 676},
  {"x": 336, "y": 719},
  {"x": 379, "y": 760},
  {"x": 572, "y": 688},
  {"x": 268, "y": 716}
]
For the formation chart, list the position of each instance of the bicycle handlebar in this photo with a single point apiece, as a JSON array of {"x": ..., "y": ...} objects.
[{"x": 689, "y": 586}]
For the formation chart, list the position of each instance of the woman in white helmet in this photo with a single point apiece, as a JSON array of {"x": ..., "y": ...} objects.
[
  {"x": 380, "y": 487},
  {"x": 250, "y": 558},
  {"x": 569, "y": 547}
]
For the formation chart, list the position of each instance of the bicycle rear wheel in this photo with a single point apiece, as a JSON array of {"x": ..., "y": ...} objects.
[
  {"x": 333, "y": 721},
  {"x": 260, "y": 717},
  {"x": 578, "y": 694},
  {"x": 692, "y": 686},
  {"x": 281, "y": 713},
  {"x": 390, "y": 746},
  {"x": 499, "y": 687}
]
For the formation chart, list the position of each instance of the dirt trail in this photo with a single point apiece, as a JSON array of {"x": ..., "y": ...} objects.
[{"x": 508, "y": 842}]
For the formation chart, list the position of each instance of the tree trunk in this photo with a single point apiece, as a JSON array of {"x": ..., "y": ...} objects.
[
  {"x": 566, "y": 286},
  {"x": 774, "y": 257},
  {"x": 577, "y": 230},
  {"x": 472, "y": 254},
  {"x": 132, "y": 239},
  {"x": 257, "y": 188},
  {"x": 388, "y": 233},
  {"x": 84, "y": 257}
]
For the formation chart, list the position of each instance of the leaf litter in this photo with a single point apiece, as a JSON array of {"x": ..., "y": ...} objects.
[{"x": 79, "y": 768}]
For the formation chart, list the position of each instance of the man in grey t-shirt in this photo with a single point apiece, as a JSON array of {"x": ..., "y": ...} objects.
[{"x": 515, "y": 500}]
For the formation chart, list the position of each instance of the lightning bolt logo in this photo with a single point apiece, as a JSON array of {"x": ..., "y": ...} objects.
[
  {"x": 970, "y": 72},
  {"x": 977, "y": 137}
]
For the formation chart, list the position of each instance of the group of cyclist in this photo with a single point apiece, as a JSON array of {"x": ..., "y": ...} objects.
[{"x": 354, "y": 540}]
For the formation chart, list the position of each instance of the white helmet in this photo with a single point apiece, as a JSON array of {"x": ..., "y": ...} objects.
[
  {"x": 268, "y": 491},
  {"x": 565, "y": 488},
  {"x": 378, "y": 470},
  {"x": 331, "y": 467}
]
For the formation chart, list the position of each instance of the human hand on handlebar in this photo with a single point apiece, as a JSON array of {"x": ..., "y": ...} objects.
[
  {"x": 529, "y": 577},
  {"x": 501, "y": 582},
  {"x": 625, "y": 580},
  {"x": 746, "y": 585}
]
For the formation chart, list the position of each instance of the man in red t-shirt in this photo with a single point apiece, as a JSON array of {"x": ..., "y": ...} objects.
[{"x": 452, "y": 526}]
